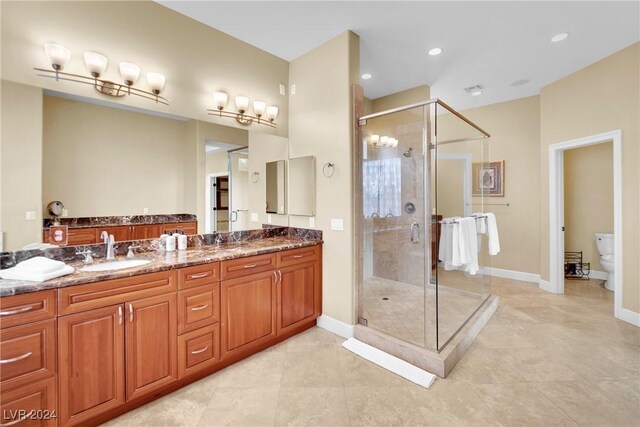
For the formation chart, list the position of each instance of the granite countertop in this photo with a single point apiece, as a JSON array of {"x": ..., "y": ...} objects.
[
  {"x": 114, "y": 221},
  {"x": 161, "y": 261}
]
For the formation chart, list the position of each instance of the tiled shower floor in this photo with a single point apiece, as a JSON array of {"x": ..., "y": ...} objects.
[{"x": 399, "y": 309}]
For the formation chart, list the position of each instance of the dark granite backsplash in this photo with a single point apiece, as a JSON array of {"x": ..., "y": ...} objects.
[
  {"x": 104, "y": 221},
  {"x": 68, "y": 253}
]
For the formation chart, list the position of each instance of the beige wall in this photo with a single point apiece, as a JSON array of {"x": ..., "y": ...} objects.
[
  {"x": 602, "y": 97},
  {"x": 399, "y": 99},
  {"x": 103, "y": 161},
  {"x": 217, "y": 162},
  {"x": 21, "y": 164},
  {"x": 320, "y": 124},
  {"x": 263, "y": 149},
  {"x": 196, "y": 59},
  {"x": 515, "y": 138},
  {"x": 588, "y": 199}
]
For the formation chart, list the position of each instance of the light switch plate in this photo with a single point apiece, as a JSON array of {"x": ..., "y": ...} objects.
[
  {"x": 145, "y": 211},
  {"x": 337, "y": 224},
  {"x": 312, "y": 222},
  {"x": 269, "y": 219},
  {"x": 65, "y": 212},
  {"x": 293, "y": 90},
  {"x": 254, "y": 217},
  {"x": 282, "y": 89},
  {"x": 30, "y": 215}
]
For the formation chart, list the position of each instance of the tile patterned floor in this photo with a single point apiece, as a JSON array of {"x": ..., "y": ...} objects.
[
  {"x": 542, "y": 360},
  {"x": 399, "y": 309}
]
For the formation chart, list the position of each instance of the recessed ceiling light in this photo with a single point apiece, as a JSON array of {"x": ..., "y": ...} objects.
[
  {"x": 559, "y": 37},
  {"x": 366, "y": 76},
  {"x": 520, "y": 82},
  {"x": 476, "y": 93},
  {"x": 435, "y": 51}
]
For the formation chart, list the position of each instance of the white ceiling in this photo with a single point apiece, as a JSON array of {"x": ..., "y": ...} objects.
[{"x": 488, "y": 43}]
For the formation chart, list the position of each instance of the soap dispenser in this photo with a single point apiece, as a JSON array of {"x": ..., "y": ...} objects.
[{"x": 182, "y": 241}]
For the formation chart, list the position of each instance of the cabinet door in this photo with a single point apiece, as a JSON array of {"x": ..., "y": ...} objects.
[
  {"x": 91, "y": 363},
  {"x": 120, "y": 233},
  {"x": 141, "y": 232},
  {"x": 151, "y": 344},
  {"x": 298, "y": 294},
  {"x": 248, "y": 312},
  {"x": 81, "y": 236}
]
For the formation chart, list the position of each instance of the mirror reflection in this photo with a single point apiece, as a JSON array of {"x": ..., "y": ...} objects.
[{"x": 276, "y": 182}]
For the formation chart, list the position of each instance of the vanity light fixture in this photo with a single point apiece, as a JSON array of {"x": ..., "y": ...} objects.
[
  {"x": 382, "y": 141},
  {"x": 96, "y": 64},
  {"x": 263, "y": 114}
]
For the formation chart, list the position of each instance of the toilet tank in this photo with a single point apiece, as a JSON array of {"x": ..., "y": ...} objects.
[{"x": 604, "y": 243}]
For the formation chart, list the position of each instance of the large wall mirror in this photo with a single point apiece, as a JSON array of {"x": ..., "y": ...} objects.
[
  {"x": 302, "y": 186},
  {"x": 276, "y": 187}
]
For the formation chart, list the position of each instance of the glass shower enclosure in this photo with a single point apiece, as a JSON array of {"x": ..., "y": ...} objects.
[{"x": 417, "y": 168}]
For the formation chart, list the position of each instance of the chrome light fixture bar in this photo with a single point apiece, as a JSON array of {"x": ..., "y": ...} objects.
[
  {"x": 263, "y": 114},
  {"x": 59, "y": 57}
]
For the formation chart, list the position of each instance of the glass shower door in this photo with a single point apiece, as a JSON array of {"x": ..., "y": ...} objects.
[{"x": 397, "y": 239}]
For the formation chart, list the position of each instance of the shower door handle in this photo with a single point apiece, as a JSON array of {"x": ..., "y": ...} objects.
[{"x": 415, "y": 232}]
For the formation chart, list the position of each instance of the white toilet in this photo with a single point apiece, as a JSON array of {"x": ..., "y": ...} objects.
[{"x": 604, "y": 243}]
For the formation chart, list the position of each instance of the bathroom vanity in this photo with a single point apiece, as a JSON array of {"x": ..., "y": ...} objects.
[{"x": 87, "y": 347}]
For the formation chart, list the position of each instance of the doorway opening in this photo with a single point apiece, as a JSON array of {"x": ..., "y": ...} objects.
[{"x": 557, "y": 215}]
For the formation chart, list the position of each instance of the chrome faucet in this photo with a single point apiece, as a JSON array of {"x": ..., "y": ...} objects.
[{"x": 108, "y": 240}]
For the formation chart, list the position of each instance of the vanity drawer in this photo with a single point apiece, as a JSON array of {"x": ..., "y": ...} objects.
[
  {"x": 25, "y": 308},
  {"x": 198, "y": 350},
  {"x": 37, "y": 402},
  {"x": 198, "y": 307},
  {"x": 198, "y": 275},
  {"x": 81, "y": 236},
  {"x": 27, "y": 353},
  {"x": 297, "y": 256},
  {"x": 248, "y": 265},
  {"x": 120, "y": 233},
  {"x": 74, "y": 299}
]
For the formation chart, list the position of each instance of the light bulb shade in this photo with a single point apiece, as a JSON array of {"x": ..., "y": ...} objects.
[
  {"x": 259, "y": 108},
  {"x": 95, "y": 63},
  {"x": 242, "y": 103},
  {"x": 129, "y": 72},
  {"x": 375, "y": 139},
  {"x": 57, "y": 55},
  {"x": 156, "y": 82},
  {"x": 272, "y": 112},
  {"x": 384, "y": 141},
  {"x": 220, "y": 99}
]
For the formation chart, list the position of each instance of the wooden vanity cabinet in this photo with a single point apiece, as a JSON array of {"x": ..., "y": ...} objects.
[
  {"x": 150, "y": 344},
  {"x": 142, "y": 232},
  {"x": 248, "y": 312},
  {"x": 91, "y": 368}
]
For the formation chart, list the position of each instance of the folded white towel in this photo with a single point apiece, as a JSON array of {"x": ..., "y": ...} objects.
[
  {"x": 481, "y": 222},
  {"x": 468, "y": 244},
  {"x": 492, "y": 232},
  {"x": 39, "y": 265},
  {"x": 17, "y": 274},
  {"x": 445, "y": 249}
]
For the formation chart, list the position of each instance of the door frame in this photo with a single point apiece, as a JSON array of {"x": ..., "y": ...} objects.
[
  {"x": 556, "y": 214},
  {"x": 209, "y": 220},
  {"x": 466, "y": 177}
]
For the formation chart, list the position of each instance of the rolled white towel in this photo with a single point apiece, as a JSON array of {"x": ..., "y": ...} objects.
[
  {"x": 492, "y": 232},
  {"x": 39, "y": 265}
]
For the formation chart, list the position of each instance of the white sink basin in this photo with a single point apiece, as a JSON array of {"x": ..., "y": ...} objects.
[{"x": 115, "y": 265}]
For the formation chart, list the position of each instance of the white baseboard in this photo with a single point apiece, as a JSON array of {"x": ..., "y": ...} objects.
[
  {"x": 512, "y": 274},
  {"x": 337, "y": 327},
  {"x": 545, "y": 285},
  {"x": 629, "y": 316},
  {"x": 599, "y": 275}
]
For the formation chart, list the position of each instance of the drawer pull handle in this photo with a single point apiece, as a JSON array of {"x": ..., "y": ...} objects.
[
  {"x": 298, "y": 256},
  {"x": 16, "y": 311},
  {"x": 249, "y": 266},
  {"x": 199, "y": 275},
  {"x": 15, "y": 359},
  {"x": 200, "y": 307},
  {"x": 202, "y": 350}
]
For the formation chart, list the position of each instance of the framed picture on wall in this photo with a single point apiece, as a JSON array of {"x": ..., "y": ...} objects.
[{"x": 488, "y": 179}]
